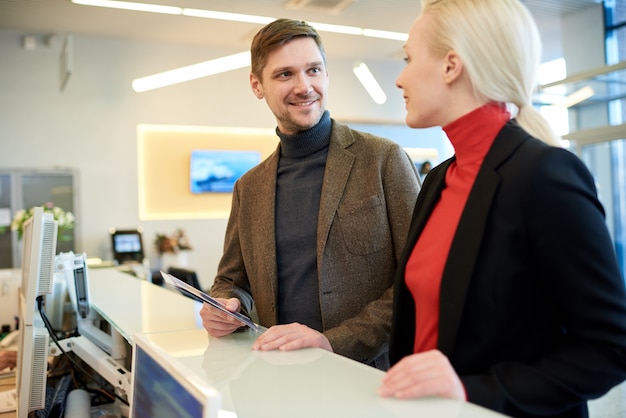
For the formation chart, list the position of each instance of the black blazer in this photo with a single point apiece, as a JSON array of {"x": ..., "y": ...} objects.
[{"x": 532, "y": 305}]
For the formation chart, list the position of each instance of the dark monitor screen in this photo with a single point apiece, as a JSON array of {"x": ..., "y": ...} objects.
[{"x": 127, "y": 246}]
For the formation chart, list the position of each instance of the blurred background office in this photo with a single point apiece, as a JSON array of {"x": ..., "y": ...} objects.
[{"x": 73, "y": 129}]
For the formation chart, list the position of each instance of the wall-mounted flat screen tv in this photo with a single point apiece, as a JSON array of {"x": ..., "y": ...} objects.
[{"x": 215, "y": 171}]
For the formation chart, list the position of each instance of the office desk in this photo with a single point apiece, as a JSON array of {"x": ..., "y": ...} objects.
[
  {"x": 132, "y": 305},
  {"x": 304, "y": 383}
]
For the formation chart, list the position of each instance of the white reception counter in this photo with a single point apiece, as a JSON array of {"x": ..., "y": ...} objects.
[{"x": 305, "y": 383}]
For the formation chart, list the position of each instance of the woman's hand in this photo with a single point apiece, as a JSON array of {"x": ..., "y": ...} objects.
[{"x": 420, "y": 375}]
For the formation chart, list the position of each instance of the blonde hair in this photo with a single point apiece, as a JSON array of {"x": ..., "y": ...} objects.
[{"x": 500, "y": 46}]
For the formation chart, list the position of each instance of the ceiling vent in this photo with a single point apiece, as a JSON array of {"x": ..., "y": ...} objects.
[{"x": 324, "y": 6}]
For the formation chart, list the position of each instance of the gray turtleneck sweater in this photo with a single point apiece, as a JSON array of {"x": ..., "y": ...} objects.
[{"x": 298, "y": 192}]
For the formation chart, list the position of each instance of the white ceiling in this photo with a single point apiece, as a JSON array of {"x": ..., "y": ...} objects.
[{"x": 54, "y": 17}]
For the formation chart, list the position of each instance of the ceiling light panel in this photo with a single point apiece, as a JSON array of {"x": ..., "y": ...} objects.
[
  {"x": 127, "y": 5},
  {"x": 323, "y": 6},
  {"x": 368, "y": 81}
]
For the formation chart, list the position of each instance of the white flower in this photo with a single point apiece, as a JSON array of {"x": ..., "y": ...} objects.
[
  {"x": 18, "y": 219},
  {"x": 65, "y": 219}
]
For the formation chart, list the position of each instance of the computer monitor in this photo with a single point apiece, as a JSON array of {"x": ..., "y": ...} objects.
[
  {"x": 73, "y": 269},
  {"x": 32, "y": 367},
  {"x": 162, "y": 387},
  {"x": 127, "y": 245},
  {"x": 39, "y": 239}
]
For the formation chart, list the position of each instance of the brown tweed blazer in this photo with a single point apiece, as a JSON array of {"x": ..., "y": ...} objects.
[{"x": 369, "y": 191}]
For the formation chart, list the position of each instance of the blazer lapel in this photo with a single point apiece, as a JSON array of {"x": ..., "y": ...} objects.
[
  {"x": 403, "y": 337},
  {"x": 265, "y": 214},
  {"x": 338, "y": 166},
  {"x": 463, "y": 254},
  {"x": 427, "y": 198}
]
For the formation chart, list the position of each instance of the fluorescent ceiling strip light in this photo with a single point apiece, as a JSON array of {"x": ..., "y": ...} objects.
[
  {"x": 192, "y": 72},
  {"x": 233, "y": 17},
  {"x": 127, "y": 5},
  {"x": 237, "y": 17},
  {"x": 369, "y": 82},
  {"x": 346, "y": 30},
  {"x": 233, "y": 62},
  {"x": 383, "y": 34},
  {"x": 577, "y": 97}
]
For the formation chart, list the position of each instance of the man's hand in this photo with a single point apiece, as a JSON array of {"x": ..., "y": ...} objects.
[
  {"x": 218, "y": 323},
  {"x": 291, "y": 337},
  {"x": 423, "y": 374}
]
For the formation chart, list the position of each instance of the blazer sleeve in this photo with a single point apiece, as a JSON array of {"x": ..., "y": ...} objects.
[{"x": 232, "y": 280}]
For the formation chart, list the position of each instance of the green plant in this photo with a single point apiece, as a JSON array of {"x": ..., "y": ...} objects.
[{"x": 65, "y": 220}]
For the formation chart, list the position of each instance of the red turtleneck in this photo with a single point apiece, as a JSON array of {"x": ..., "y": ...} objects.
[{"x": 471, "y": 136}]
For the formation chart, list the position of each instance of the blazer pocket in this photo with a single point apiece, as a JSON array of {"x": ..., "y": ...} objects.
[{"x": 364, "y": 225}]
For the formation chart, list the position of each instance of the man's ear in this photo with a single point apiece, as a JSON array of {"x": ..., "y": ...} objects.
[
  {"x": 453, "y": 66},
  {"x": 256, "y": 86}
]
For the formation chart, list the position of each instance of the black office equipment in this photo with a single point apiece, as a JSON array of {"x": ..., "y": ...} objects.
[
  {"x": 127, "y": 245},
  {"x": 188, "y": 276}
]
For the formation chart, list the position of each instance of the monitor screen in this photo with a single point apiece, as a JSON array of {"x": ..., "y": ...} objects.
[
  {"x": 32, "y": 367},
  {"x": 162, "y": 388},
  {"x": 217, "y": 170},
  {"x": 40, "y": 239},
  {"x": 127, "y": 245}
]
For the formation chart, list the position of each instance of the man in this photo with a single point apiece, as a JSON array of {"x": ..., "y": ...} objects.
[{"x": 316, "y": 229}]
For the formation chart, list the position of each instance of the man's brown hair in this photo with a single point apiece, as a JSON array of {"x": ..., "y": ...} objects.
[{"x": 276, "y": 34}]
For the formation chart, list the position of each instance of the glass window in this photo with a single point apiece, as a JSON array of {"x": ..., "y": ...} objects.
[{"x": 612, "y": 154}]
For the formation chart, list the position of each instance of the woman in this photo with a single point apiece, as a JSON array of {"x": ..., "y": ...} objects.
[{"x": 508, "y": 293}]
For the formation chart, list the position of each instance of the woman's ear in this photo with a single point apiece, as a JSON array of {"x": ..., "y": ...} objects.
[
  {"x": 453, "y": 66},
  {"x": 255, "y": 85}
]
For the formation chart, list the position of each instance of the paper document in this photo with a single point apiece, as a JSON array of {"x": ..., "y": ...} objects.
[
  {"x": 203, "y": 297},
  {"x": 8, "y": 400}
]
